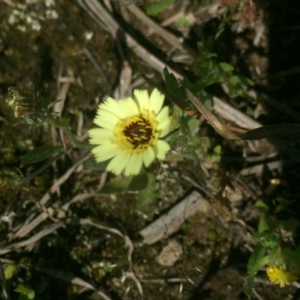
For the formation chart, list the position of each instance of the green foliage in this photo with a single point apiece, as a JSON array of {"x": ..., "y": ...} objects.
[
  {"x": 172, "y": 88},
  {"x": 272, "y": 248},
  {"x": 210, "y": 72},
  {"x": 25, "y": 292},
  {"x": 11, "y": 178},
  {"x": 267, "y": 238},
  {"x": 148, "y": 195},
  {"x": 124, "y": 184},
  {"x": 39, "y": 154},
  {"x": 96, "y": 166},
  {"x": 183, "y": 141},
  {"x": 9, "y": 271},
  {"x": 214, "y": 156},
  {"x": 184, "y": 22},
  {"x": 291, "y": 258},
  {"x": 157, "y": 8},
  {"x": 256, "y": 261},
  {"x": 33, "y": 111}
]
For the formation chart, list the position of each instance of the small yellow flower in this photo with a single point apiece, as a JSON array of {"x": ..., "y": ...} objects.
[
  {"x": 130, "y": 132},
  {"x": 278, "y": 275},
  {"x": 16, "y": 101}
]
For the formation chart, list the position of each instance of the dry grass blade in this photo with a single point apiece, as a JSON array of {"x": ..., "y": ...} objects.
[
  {"x": 233, "y": 115},
  {"x": 268, "y": 131},
  {"x": 99, "y": 12},
  {"x": 272, "y": 131},
  {"x": 211, "y": 118},
  {"x": 72, "y": 279},
  {"x": 127, "y": 240},
  {"x": 33, "y": 239},
  {"x": 28, "y": 226},
  {"x": 169, "y": 37},
  {"x": 2, "y": 280},
  {"x": 172, "y": 220}
]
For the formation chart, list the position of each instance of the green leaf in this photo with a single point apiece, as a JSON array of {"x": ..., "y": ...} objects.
[
  {"x": 268, "y": 238},
  {"x": 247, "y": 81},
  {"x": 171, "y": 82},
  {"x": 157, "y": 8},
  {"x": 255, "y": 263},
  {"x": 138, "y": 182},
  {"x": 172, "y": 88},
  {"x": 124, "y": 184},
  {"x": 184, "y": 22},
  {"x": 234, "y": 80},
  {"x": 190, "y": 153},
  {"x": 290, "y": 224},
  {"x": 217, "y": 150},
  {"x": 262, "y": 205},
  {"x": 226, "y": 67},
  {"x": 193, "y": 124},
  {"x": 96, "y": 166},
  {"x": 219, "y": 32},
  {"x": 25, "y": 291},
  {"x": 263, "y": 223},
  {"x": 116, "y": 186},
  {"x": 291, "y": 258},
  {"x": 9, "y": 271},
  {"x": 73, "y": 140},
  {"x": 39, "y": 154},
  {"x": 148, "y": 195}
]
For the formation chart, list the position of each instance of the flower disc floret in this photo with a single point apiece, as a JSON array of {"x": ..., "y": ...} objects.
[{"x": 131, "y": 132}]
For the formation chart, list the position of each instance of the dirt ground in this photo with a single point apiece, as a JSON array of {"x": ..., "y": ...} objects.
[{"x": 93, "y": 248}]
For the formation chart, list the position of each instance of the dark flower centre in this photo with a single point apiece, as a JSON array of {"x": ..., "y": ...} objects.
[{"x": 138, "y": 133}]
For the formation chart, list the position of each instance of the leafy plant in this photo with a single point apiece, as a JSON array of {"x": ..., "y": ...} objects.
[{"x": 157, "y": 8}]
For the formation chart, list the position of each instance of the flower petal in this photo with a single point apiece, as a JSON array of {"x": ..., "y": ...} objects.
[
  {"x": 148, "y": 156},
  {"x": 99, "y": 136},
  {"x": 163, "y": 115},
  {"x": 164, "y": 128},
  {"x": 105, "y": 152},
  {"x": 112, "y": 106},
  {"x": 162, "y": 148},
  {"x": 129, "y": 107},
  {"x": 106, "y": 119},
  {"x": 118, "y": 163},
  {"x": 134, "y": 164},
  {"x": 142, "y": 98},
  {"x": 164, "y": 122},
  {"x": 156, "y": 101}
]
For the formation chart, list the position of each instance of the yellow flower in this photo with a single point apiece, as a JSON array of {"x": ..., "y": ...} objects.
[
  {"x": 278, "y": 275},
  {"x": 131, "y": 132}
]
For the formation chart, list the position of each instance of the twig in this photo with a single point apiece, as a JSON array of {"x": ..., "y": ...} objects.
[
  {"x": 174, "y": 218},
  {"x": 127, "y": 240},
  {"x": 169, "y": 37},
  {"x": 131, "y": 275},
  {"x": 33, "y": 239},
  {"x": 168, "y": 280},
  {"x": 211, "y": 118},
  {"x": 233, "y": 115},
  {"x": 71, "y": 279},
  {"x": 99, "y": 12},
  {"x": 128, "y": 243},
  {"x": 9, "y": 2},
  {"x": 2, "y": 280},
  {"x": 96, "y": 65},
  {"x": 29, "y": 226},
  {"x": 63, "y": 178}
]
